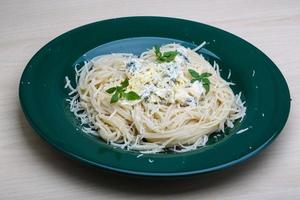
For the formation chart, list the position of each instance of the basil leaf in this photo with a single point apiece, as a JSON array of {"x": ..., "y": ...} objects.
[
  {"x": 164, "y": 57},
  {"x": 130, "y": 96},
  {"x": 114, "y": 98},
  {"x": 205, "y": 81},
  {"x": 157, "y": 51},
  {"x": 194, "y": 74},
  {"x": 205, "y": 75},
  {"x": 121, "y": 94},
  {"x": 119, "y": 89},
  {"x": 203, "y": 78},
  {"x": 125, "y": 83},
  {"x": 206, "y": 87},
  {"x": 169, "y": 56},
  {"x": 111, "y": 90}
]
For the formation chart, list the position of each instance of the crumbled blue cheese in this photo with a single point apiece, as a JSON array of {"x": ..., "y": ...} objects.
[
  {"x": 183, "y": 55},
  {"x": 179, "y": 59},
  {"x": 182, "y": 51},
  {"x": 166, "y": 94},
  {"x": 171, "y": 70},
  {"x": 191, "y": 101},
  {"x": 196, "y": 89},
  {"x": 133, "y": 64},
  {"x": 181, "y": 96},
  {"x": 162, "y": 93},
  {"x": 164, "y": 82},
  {"x": 147, "y": 91}
]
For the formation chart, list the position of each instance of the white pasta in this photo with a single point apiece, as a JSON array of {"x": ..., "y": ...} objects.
[{"x": 173, "y": 113}]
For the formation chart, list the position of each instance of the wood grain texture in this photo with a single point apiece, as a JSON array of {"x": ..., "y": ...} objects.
[{"x": 31, "y": 169}]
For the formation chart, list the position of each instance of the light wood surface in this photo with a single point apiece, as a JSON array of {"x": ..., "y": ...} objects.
[{"x": 31, "y": 169}]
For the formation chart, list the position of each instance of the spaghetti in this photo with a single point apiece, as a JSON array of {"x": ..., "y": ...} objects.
[{"x": 173, "y": 111}]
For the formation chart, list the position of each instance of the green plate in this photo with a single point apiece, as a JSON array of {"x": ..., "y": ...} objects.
[{"x": 43, "y": 97}]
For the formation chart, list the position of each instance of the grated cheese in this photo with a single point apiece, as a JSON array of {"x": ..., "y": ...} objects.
[
  {"x": 200, "y": 46},
  {"x": 229, "y": 74},
  {"x": 242, "y": 130}
]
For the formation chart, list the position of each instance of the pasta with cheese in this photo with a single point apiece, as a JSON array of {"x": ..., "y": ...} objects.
[{"x": 173, "y": 99}]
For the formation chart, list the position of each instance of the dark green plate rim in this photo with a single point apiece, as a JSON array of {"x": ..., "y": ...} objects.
[{"x": 164, "y": 162}]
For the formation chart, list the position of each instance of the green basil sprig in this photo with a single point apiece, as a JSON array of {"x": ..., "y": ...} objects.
[
  {"x": 119, "y": 93},
  {"x": 203, "y": 78},
  {"x": 166, "y": 56}
]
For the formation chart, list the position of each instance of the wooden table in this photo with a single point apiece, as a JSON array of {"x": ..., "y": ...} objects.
[{"x": 31, "y": 169}]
